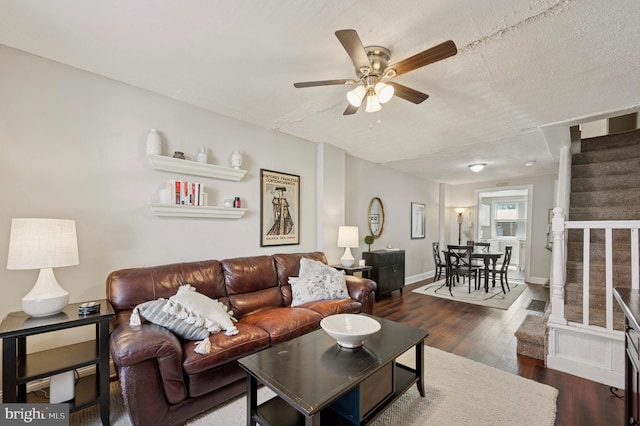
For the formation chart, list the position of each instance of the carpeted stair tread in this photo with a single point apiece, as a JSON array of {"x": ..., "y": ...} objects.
[
  {"x": 609, "y": 168},
  {"x": 587, "y": 184},
  {"x": 616, "y": 140},
  {"x": 597, "y": 317},
  {"x": 532, "y": 336},
  {"x": 597, "y": 253},
  {"x": 597, "y": 276},
  {"x": 611, "y": 154},
  {"x": 609, "y": 198},
  {"x": 626, "y": 212},
  {"x": 619, "y": 236}
]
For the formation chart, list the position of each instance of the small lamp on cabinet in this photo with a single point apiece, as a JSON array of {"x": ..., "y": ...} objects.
[{"x": 347, "y": 238}]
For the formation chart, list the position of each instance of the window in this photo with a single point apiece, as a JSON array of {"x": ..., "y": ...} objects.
[{"x": 506, "y": 219}]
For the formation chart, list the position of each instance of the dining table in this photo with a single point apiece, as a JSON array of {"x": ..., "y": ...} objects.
[{"x": 488, "y": 258}]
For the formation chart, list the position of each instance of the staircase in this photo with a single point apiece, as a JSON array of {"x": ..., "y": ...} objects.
[{"x": 605, "y": 185}]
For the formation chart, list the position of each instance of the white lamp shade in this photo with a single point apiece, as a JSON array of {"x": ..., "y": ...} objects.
[
  {"x": 348, "y": 236},
  {"x": 384, "y": 92},
  {"x": 460, "y": 210},
  {"x": 356, "y": 95},
  {"x": 42, "y": 243},
  {"x": 373, "y": 104}
]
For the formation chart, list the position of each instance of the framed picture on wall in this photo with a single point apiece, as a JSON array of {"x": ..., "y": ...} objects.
[
  {"x": 417, "y": 221},
  {"x": 279, "y": 208}
]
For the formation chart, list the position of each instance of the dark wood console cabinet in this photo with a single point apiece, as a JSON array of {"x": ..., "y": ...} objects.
[
  {"x": 629, "y": 301},
  {"x": 388, "y": 270}
]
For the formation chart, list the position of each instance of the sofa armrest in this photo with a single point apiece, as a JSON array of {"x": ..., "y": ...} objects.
[
  {"x": 149, "y": 342},
  {"x": 363, "y": 290}
]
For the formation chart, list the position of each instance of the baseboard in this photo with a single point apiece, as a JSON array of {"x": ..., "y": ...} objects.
[
  {"x": 593, "y": 354},
  {"x": 538, "y": 280},
  {"x": 43, "y": 383},
  {"x": 420, "y": 277}
]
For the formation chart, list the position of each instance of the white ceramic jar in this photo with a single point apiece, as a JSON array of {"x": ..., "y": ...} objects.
[{"x": 154, "y": 144}]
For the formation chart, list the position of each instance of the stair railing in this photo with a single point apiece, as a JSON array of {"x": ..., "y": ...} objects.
[{"x": 558, "y": 278}]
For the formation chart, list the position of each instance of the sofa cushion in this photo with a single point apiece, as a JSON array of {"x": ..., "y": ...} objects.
[
  {"x": 252, "y": 284},
  {"x": 332, "y": 307},
  {"x": 284, "y": 323},
  {"x": 128, "y": 288},
  {"x": 224, "y": 349}
]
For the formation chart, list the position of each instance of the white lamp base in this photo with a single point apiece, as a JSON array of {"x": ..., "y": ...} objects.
[
  {"x": 347, "y": 259},
  {"x": 46, "y": 297}
]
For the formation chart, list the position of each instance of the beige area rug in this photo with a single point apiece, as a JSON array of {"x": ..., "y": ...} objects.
[
  {"x": 495, "y": 298},
  {"x": 458, "y": 391}
]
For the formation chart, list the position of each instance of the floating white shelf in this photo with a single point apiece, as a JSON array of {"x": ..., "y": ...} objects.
[
  {"x": 188, "y": 167},
  {"x": 197, "y": 211}
]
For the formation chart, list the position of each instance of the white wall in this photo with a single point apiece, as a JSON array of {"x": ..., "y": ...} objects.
[
  {"x": 365, "y": 180},
  {"x": 73, "y": 146}
]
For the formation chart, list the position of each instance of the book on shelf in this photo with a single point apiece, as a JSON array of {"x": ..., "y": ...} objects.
[{"x": 186, "y": 193}]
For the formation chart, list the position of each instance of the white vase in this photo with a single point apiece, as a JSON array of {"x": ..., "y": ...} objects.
[
  {"x": 201, "y": 157},
  {"x": 154, "y": 144},
  {"x": 236, "y": 159}
]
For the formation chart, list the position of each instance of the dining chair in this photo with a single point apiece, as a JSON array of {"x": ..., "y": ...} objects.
[
  {"x": 484, "y": 247},
  {"x": 503, "y": 268},
  {"x": 440, "y": 264},
  {"x": 459, "y": 264}
]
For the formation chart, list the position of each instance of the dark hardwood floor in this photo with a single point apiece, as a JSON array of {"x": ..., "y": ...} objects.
[{"x": 486, "y": 335}]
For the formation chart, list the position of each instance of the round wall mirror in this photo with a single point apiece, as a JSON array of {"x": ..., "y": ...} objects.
[{"x": 376, "y": 217}]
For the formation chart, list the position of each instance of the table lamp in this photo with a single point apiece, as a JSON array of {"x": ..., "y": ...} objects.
[
  {"x": 347, "y": 238},
  {"x": 43, "y": 244}
]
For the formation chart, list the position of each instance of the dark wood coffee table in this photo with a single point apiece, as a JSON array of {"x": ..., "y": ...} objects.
[{"x": 319, "y": 383}]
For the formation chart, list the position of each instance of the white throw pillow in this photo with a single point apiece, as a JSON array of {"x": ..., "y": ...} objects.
[
  {"x": 196, "y": 308},
  {"x": 312, "y": 268},
  {"x": 318, "y": 287}
]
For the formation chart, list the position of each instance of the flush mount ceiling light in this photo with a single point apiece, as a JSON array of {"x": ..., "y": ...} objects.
[
  {"x": 477, "y": 167},
  {"x": 530, "y": 163}
]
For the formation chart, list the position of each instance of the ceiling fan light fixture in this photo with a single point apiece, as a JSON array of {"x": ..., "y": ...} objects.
[
  {"x": 356, "y": 95},
  {"x": 373, "y": 104},
  {"x": 477, "y": 167},
  {"x": 384, "y": 92}
]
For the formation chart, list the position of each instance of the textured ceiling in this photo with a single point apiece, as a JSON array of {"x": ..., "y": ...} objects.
[{"x": 521, "y": 65}]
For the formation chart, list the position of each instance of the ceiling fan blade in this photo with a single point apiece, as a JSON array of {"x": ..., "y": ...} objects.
[
  {"x": 350, "y": 110},
  {"x": 408, "y": 93},
  {"x": 322, "y": 83},
  {"x": 426, "y": 57},
  {"x": 353, "y": 45}
]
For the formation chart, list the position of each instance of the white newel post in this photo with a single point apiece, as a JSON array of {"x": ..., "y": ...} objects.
[{"x": 558, "y": 276}]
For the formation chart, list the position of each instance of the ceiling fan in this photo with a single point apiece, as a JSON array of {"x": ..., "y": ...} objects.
[{"x": 372, "y": 67}]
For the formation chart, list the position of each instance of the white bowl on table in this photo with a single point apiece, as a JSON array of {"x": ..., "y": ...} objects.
[{"x": 349, "y": 330}]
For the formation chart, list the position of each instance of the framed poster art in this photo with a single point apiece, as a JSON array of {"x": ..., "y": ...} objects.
[
  {"x": 417, "y": 221},
  {"x": 279, "y": 208}
]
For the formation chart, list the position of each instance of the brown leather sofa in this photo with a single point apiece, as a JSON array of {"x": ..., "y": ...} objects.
[{"x": 164, "y": 382}]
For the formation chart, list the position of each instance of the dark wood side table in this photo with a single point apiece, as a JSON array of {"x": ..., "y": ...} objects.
[
  {"x": 18, "y": 368},
  {"x": 350, "y": 270}
]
